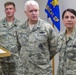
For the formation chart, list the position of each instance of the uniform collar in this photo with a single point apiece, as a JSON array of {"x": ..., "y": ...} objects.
[
  {"x": 4, "y": 22},
  {"x": 37, "y": 25},
  {"x": 73, "y": 34}
]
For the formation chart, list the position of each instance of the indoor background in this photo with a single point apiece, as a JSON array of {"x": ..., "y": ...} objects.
[{"x": 63, "y": 4}]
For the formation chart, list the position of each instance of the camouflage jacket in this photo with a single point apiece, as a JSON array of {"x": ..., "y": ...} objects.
[
  {"x": 38, "y": 46},
  {"x": 67, "y": 54},
  {"x": 8, "y": 40}
]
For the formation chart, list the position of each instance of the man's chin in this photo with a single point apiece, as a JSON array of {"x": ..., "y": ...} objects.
[
  {"x": 34, "y": 19},
  {"x": 9, "y": 16}
]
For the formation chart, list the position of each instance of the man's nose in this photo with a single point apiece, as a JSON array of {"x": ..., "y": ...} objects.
[{"x": 34, "y": 12}]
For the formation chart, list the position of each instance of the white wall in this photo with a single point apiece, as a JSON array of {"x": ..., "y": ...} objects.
[{"x": 63, "y": 4}]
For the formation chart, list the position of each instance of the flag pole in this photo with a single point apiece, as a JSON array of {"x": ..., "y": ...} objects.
[
  {"x": 53, "y": 60},
  {"x": 52, "y": 10},
  {"x": 53, "y": 66}
]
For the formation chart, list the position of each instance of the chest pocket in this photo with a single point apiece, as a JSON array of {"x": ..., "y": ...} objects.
[
  {"x": 7, "y": 38},
  {"x": 71, "y": 51},
  {"x": 41, "y": 36}
]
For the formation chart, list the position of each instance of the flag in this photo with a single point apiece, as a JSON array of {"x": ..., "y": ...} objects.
[{"x": 52, "y": 10}]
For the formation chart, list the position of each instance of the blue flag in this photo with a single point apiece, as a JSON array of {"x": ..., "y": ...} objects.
[{"x": 52, "y": 10}]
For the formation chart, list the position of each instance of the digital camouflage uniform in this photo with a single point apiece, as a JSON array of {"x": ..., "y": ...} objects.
[
  {"x": 67, "y": 54},
  {"x": 8, "y": 40},
  {"x": 37, "y": 48}
]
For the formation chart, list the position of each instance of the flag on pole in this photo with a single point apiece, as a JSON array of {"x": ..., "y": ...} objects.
[{"x": 52, "y": 10}]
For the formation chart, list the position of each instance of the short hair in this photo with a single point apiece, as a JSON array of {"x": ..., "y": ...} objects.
[
  {"x": 9, "y": 3},
  {"x": 30, "y": 2},
  {"x": 69, "y": 10}
]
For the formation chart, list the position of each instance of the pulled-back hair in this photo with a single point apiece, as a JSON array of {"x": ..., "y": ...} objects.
[{"x": 69, "y": 10}]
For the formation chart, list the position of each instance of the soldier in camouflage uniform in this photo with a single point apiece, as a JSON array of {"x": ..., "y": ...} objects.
[
  {"x": 37, "y": 40},
  {"x": 8, "y": 39},
  {"x": 67, "y": 44}
]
